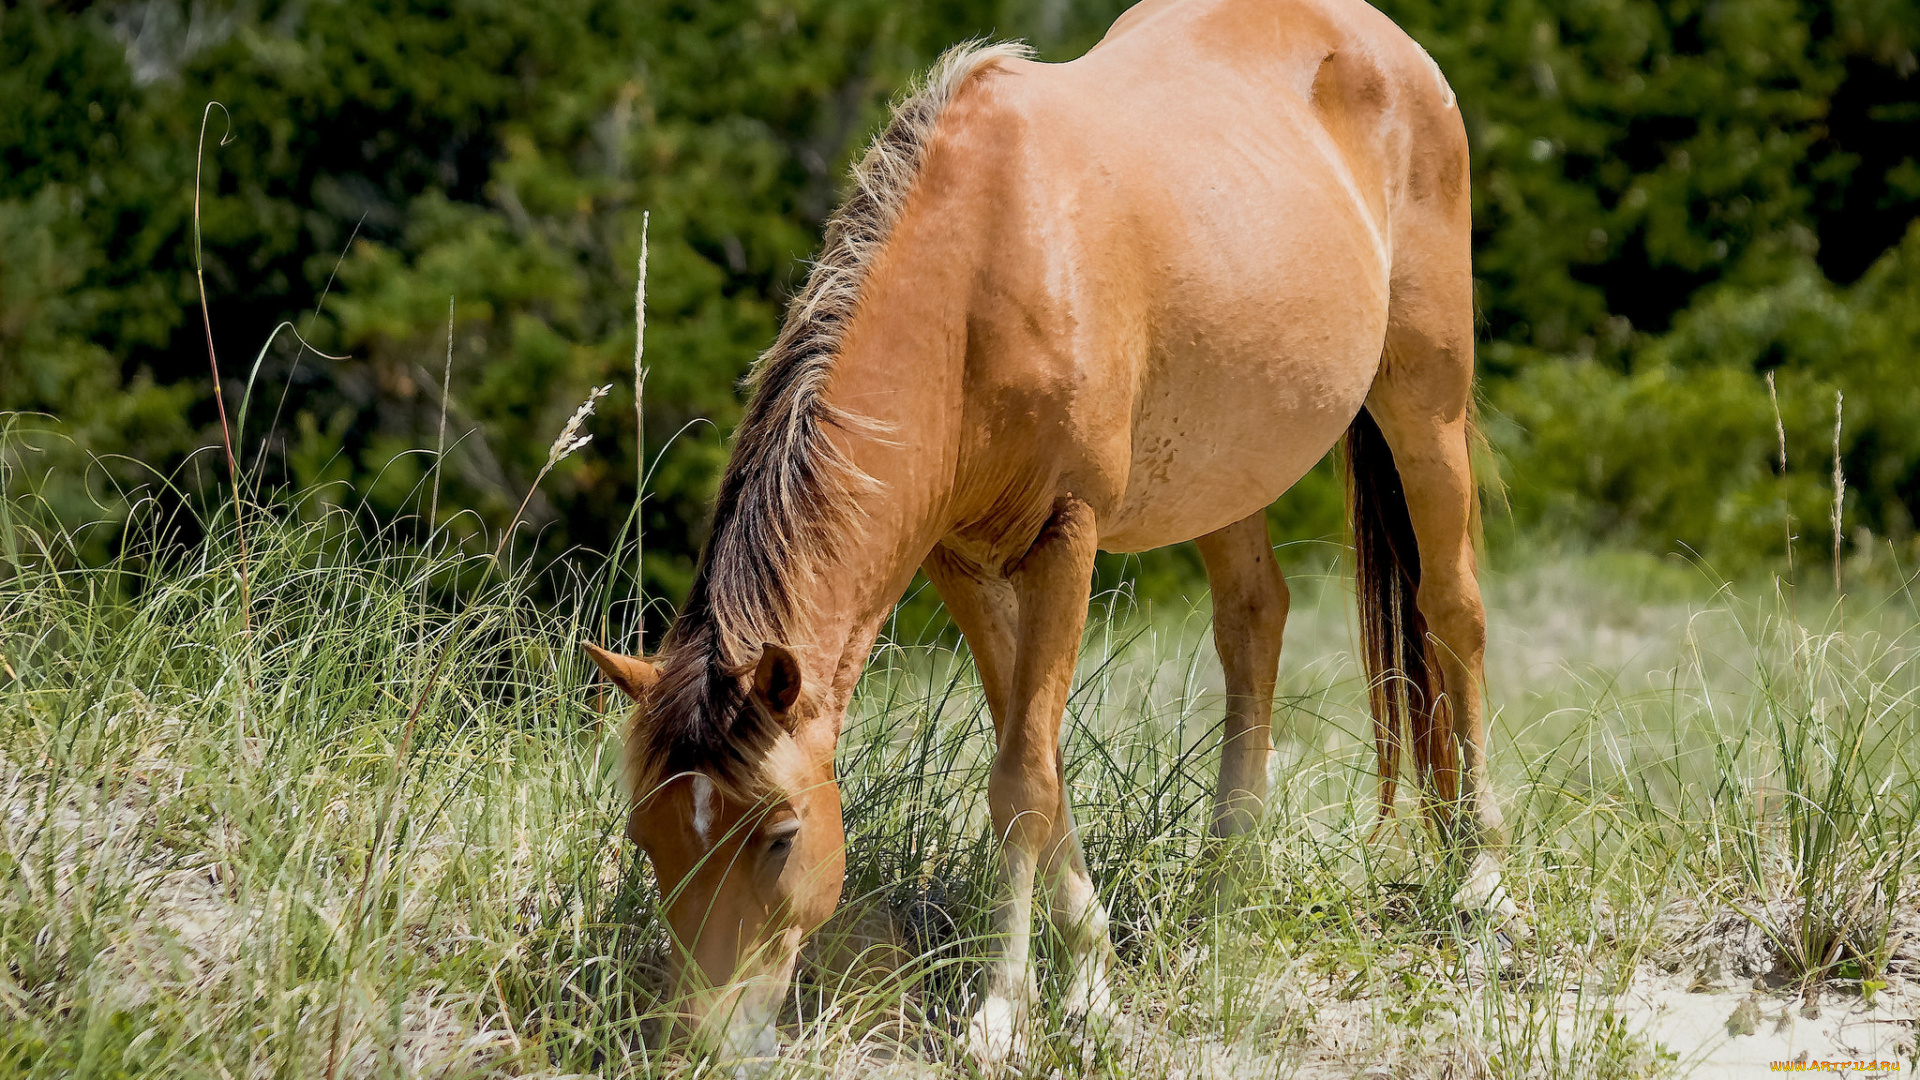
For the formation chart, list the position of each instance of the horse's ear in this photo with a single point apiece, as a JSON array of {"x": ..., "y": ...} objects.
[
  {"x": 630, "y": 673},
  {"x": 776, "y": 683}
]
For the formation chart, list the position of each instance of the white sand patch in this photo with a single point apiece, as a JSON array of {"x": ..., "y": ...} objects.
[
  {"x": 1733, "y": 1034},
  {"x": 1691, "y": 1011}
]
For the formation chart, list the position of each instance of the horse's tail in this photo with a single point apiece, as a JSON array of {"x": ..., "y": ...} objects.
[{"x": 1393, "y": 634}]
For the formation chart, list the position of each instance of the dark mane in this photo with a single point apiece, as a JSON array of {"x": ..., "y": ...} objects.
[{"x": 786, "y": 498}]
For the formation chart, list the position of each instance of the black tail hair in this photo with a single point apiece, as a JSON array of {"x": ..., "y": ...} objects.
[{"x": 1393, "y": 634}]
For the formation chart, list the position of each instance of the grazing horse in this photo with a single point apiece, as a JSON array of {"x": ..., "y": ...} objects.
[{"x": 1116, "y": 303}]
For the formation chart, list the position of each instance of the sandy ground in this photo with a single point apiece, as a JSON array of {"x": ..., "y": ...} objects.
[
  {"x": 1703, "y": 1008},
  {"x": 1704, "y": 1005},
  {"x": 1708, "y": 1003},
  {"x": 1726, "y": 1033},
  {"x": 1693, "y": 1031}
]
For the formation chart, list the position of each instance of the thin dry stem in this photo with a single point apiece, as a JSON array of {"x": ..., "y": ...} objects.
[
  {"x": 1839, "y": 486},
  {"x": 640, "y": 435},
  {"x": 1780, "y": 430},
  {"x": 219, "y": 399},
  {"x": 440, "y": 441}
]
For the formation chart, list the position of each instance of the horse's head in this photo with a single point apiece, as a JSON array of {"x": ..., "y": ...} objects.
[{"x": 741, "y": 820}]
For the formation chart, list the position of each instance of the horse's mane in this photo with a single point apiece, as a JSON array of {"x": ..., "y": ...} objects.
[{"x": 787, "y": 496}]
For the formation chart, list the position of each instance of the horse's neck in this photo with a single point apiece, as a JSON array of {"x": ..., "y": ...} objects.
[{"x": 901, "y": 368}]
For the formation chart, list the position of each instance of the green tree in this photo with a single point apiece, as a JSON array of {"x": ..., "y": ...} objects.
[{"x": 1671, "y": 199}]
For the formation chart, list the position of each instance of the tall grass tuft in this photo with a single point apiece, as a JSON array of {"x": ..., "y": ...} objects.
[{"x": 203, "y": 880}]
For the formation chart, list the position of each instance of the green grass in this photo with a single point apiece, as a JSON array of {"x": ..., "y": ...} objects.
[{"x": 216, "y": 862}]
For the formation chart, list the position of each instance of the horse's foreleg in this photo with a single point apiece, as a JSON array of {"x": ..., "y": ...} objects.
[
  {"x": 1025, "y": 791},
  {"x": 1079, "y": 916},
  {"x": 986, "y": 609},
  {"x": 1249, "y": 617}
]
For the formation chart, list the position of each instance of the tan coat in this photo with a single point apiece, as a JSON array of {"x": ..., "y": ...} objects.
[{"x": 1116, "y": 303}]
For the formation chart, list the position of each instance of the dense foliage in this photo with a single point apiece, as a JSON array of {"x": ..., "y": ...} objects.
[{"x": 1672, "y": 198}]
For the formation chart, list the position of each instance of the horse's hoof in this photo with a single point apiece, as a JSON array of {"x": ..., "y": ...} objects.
[
  {"x": 1483, "y": 899},
  {"x": 1089, "y": 1000},
  {"x": 1094, "y": 1032},
  {"x": 997, "y": 1035}
]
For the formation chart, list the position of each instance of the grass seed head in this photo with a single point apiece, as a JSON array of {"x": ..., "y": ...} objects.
[{"x": 570, "y": 438}]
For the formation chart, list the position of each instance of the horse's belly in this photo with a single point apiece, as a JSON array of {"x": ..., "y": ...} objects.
[
  {"x": 1217, "y": 438},
  {"x": 1266, "y": 333},
  {"x": 1244, "y": 271}
]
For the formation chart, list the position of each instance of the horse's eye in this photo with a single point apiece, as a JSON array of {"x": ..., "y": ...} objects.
[{"x": 780, "y": 844}]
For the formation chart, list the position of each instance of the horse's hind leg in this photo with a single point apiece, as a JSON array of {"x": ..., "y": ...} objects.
[
  {"x": 1420, "y": 401},
  {"x": 1249, "y": 617}
]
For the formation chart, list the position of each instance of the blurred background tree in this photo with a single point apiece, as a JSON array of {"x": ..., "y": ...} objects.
[{"x": 1671, "y": 199}]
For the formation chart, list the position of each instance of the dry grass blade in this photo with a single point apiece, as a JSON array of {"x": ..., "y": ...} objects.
[
  {"x": 213, "y": 362},
  {"x": 640, "y": 430}
]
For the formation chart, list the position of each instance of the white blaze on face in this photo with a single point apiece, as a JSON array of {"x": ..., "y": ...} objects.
[
  {"x": 702, "y": 806},
  {"x": 750, "y": 1032}
]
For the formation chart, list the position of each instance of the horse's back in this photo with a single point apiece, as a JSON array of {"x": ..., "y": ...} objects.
[{"x": 1202, "y": 220}]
